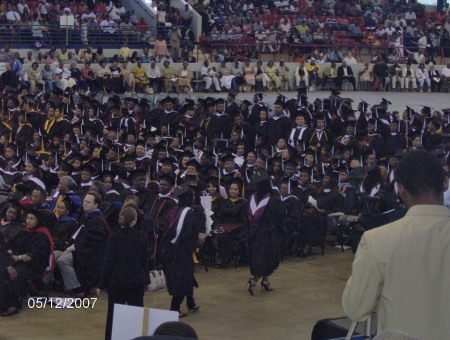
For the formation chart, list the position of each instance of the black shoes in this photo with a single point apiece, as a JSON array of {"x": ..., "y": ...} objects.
[
  {"x": 194, "y": 309},
  {"x": 11, "y": 311}
]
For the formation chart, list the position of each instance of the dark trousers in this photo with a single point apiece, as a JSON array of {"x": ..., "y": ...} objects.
[
  {"x": 178, "y": 300},
  {"x": 132, "y": 297},
  {"x": 12, "y": 291},
  {"x": 340, "y": 80}
]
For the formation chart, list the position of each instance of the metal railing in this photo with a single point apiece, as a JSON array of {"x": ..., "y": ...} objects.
[{"x": 26, "y": 36}]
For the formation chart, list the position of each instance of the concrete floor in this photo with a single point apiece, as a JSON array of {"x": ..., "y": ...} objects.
[{"x": 305, "y": 290}]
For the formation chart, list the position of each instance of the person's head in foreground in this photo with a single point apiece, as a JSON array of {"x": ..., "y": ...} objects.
[{"x": 421, "y": 179}]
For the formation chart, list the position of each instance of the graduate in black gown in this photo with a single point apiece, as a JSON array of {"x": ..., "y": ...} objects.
[
  {"x": 292, "y": 210},
  {"x": 32, "y": 255},
  {"x": 179, "y": 242},
  {"x": 265, "y": 231},
  {"x": 125, "y": 268},
  {"x": 230, "y": 223}
]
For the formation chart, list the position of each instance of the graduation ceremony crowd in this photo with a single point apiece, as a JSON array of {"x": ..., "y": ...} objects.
[{"x": 75, "y": 175}]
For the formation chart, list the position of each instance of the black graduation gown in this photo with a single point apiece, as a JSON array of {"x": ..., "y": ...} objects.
[
  {"x": 159, "y": 209},
  {"x": 125, "y": 266},
  {"x": 432, "y": 141},
  {"x": 178, "y": 260},
  {"x": 235, "y": 213},
  {"x": 219, "y": 127},
  {"x": 278, "y": 128},
  {"x": 394, "y": 143},
  {"x": 169, "y": 118},
  {"x": 63, "y": 232},
  {"x": 264, "y": 239},
  {"x": 24, "y": 135},
  {"x": 90, "y": 245},
  {"x": 37, "y": 245}
]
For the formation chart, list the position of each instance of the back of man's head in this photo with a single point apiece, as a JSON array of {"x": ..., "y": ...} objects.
[{"x": 420, "y": 173}]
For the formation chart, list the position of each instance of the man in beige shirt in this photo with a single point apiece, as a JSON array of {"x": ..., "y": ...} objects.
[{"x": 402, "y": 270}]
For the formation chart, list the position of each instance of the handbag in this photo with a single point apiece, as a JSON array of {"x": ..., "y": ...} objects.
[
  {"x": 226, "y": 227},
  {"x": 157, "y": 280}
]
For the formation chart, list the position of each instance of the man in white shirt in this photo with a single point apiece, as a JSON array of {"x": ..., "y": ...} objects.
[
  {"x": 108, "y": 26},
  {"x": 13, "y": 15},
  {"x": 209, "y": 77},
  {"x": 349, "y": 59},
  {"x": 154, "y": 74},
  {"x": 410, "y": 16},
  {"x": 402, "y": 269},
  {"x": 116, "y": 11},
  {"x": 419, "y": 56},
  {"x": 446, "y": 74},
  {"x": 389, "y": 30},
  {"x": 422, "y": 41}
]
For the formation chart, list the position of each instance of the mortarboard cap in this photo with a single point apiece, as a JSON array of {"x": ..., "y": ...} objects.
[
  {"x": 260, "y": 176},
  {"x": 182, "y": 190}
]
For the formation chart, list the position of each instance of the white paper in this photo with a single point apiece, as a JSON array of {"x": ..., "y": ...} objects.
[
  {"x": 206, "y": 202},
  {"x": 128, "y": 321},
  {"x": 184, "y": 73},
  {"x": 239, "y": 161},
  {"x": 312, "y": 201}
]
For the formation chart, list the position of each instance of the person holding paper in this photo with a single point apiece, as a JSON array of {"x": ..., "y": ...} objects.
[
  {"x": 125, "y": 267},
  {"x": 178, "y": 244}
]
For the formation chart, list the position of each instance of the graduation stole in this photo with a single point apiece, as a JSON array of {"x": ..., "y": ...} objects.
[{"x": 48, "y": 124}]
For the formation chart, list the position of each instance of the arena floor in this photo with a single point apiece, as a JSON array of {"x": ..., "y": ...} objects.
[{"x": 306, "y": 290}]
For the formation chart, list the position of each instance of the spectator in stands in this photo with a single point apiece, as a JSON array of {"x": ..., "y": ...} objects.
[
  {"x": 283, "y": 73},
  {"x": 369, "y": 23},
  {"x": 108, "y": 28},
  {"x": 91, "y": 77},
  {"x": 435, "y": 78},
  {"x": 419, "y": 56},
  {"x": 142, "y": 30},
  {"x": 167, "y": 73},
  {"x": 258, "y": 26},
  {"x": 35, "y": 76},
  {"x": 423, "y": 77},
  {"x": 335, "y": 55},
  {"x": 167, "y": 57},
  {"x": 408, "y": 77},
  {"x": 116, "y": 11},
  {"x": 302, "y": 75},
  {"x": 124, "y": 52},
  {"x": 140, "y": 75},
  {"x": 12, "y": 15},
  {"x": 146, "y": 57},
  {"x": 186, "y": 16},
  {"x": 209, "y": 76},
  {"x": 410, "y": 15},
  {"x": 446, "y": 74},
  {"x": 128, "y": 77},
  {"x": 127, "y": 30},
  {"x": 365, "y": 77},
  {"x": 154, "y": 74},
  {"x": 330, "y": 73},
  {"x": 52, "y": 59},
  {"x": 160, "y": 48},
  {"x": 47, "y": 77},
  {"x": 354, "y": 31},
  {"x": 345, "y": 72},
  {"x": 161, "y": 18},
  {"x": 349, "y": 59},
  {"x": 249, "y": 76},
  {"x": 185, "y": 76},
  {"x": 313, "y": 70},
  {"x": 174, "y": 37}
]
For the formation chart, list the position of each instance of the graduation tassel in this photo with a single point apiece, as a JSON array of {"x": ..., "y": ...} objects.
[
  {"x": 10, "y": 137},
  {"x": 149, "y": 177}
]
